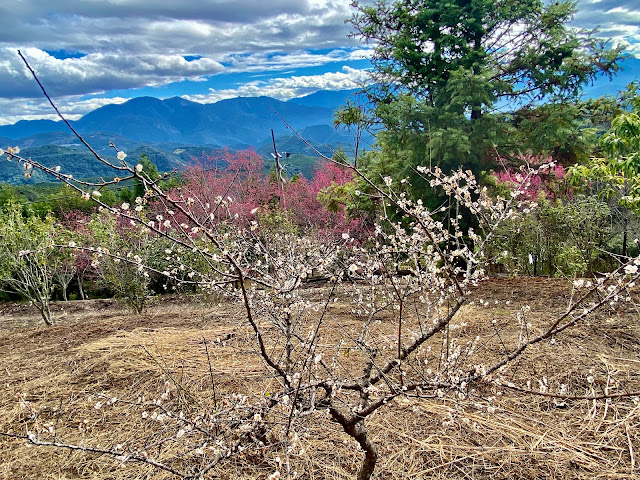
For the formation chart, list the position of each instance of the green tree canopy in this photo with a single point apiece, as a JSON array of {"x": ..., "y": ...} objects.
[
  {"x": 615, "y": 174},
  {"x": 466, "y": 54},
  {"x": 460, "y": 82},
  {"x": 617, "y": 170},
  {"x": 27, "y": 257}
]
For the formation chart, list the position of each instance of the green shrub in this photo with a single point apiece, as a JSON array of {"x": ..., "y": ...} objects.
[{"x": 559, "y": 239}]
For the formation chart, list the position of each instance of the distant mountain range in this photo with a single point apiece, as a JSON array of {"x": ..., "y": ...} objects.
[
  {"x": 174, "y": 130},
  {"x": 235, "y": 121}
]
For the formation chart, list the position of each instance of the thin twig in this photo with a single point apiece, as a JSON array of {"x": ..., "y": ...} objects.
[{"x": 96, "y": 154}]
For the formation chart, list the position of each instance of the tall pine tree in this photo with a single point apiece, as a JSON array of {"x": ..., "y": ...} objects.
[{"x": 460, "y": 82}]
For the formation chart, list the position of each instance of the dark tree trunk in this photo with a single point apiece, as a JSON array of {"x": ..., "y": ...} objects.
[
  {"x": 45, "y": 311},
  {"x": 354, "y": 427}
]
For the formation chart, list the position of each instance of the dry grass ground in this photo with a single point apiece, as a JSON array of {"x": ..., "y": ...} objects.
[{"x": 97, "y": 351}]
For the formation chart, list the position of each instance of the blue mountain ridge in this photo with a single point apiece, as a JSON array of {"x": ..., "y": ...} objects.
[
  {"x": 237, "y": 121},
  {"x": 234, "y": 121},
  {"x": 174, "y": 130}
]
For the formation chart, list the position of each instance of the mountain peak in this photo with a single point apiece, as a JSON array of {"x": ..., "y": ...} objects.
[
  {"x": 233, "y": 121},
  {"x": 142, "y": 101},
  {"x": 178, "y": 101}
]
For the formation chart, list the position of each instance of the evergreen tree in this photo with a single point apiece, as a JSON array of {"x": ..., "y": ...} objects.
[{"x": 460, "y": 82}]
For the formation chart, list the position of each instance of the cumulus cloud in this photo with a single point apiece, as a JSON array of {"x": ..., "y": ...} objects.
[
  {"x": 616, "y": 20},
  {"x": 140, "y": 43},
  {"x": 72, "y": 108},
  {"x": 219, "y": 10},
  {"x": 207, "y": 27},
  {"x": 290, "y": 87},
  {"x": 95, "y": 72},
  {"x": 266, "y": 61}
]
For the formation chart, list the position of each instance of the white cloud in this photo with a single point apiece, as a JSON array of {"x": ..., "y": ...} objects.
[
  {"x": 139, "y": 43},
  {"x": 207, "y": 27},
  {"x": 72, "y": 109},
  {"x": 291, "y": 87},
  {"x": 616, "y": 20},
  {"x": 265, "y": 61},
  {"x": 359, "y": 54},
  {"x": 95, "y": 72},
  {"x": 219, "y": 10}
]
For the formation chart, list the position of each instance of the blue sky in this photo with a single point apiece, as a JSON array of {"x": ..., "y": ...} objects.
[{"x": 89, "y": 53}]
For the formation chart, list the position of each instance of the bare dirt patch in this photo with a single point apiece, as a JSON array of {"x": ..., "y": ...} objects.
[{"x": 98, "y": 351}]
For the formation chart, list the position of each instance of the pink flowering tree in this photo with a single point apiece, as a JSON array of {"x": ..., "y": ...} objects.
[
  {"x": 237, "y": 182},
  {"x": 309, "y": 201},
  {"x": 232, "y": 181},
  {"x": 77, "y": 223},
  {"x": 566, "y": 235},
  {"x": 549, "y": 181}
]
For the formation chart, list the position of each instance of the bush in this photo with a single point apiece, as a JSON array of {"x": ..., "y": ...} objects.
[
  {"x": 120, "y": 270},
  {"x": 557, "y": 238}
]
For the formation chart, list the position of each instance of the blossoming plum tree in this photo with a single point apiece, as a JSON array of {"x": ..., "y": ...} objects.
[
  {"x": 27, "y": 259},
  {"x": 291, "y": 330}
]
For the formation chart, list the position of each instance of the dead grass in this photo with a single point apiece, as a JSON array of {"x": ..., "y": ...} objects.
[{"x": 96, "y": 351}]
